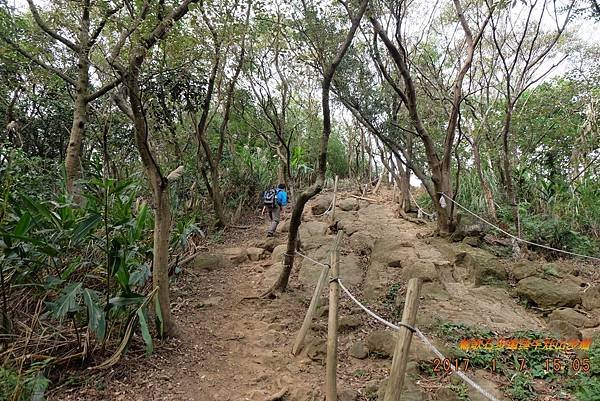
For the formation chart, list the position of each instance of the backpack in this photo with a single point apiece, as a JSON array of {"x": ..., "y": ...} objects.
[
  {"x": 269, "y": 197},
  {"x": 282, "y": 197}
]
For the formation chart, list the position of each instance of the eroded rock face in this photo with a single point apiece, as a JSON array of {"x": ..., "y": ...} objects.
[
  {"x": 488, "y": 272},
  {"x": 468, "y": 226},
  {"x": 573, "y": 317},
  {"x": 348, "y": 225},
  {"x": 434, "y": 291},
  {"x": 256, "y": 253},
  {"x": 424, "y": 270},
  {"x": 349, "y": 204},
  {"x": 317, "y": 350},
  {"x": 321, "y": 204},
  {"x": 313, "y": 228},
  {"x": 350, "y": 270},
  {"x": 564, "y": 329},
  {"x": 272, "y": 273},
  {"x": 312, "y": 235},
  {"x": 381, "y": 343},
  {"x": 560, "y": 270},
  {"x": 268, "y": 244},
  {"x": 363, "y": 243},
  {"x": 377, "y": 282},
  {"x": 358, "y": 350},
  {"x": 393, "y": 251},
  {"x": 310, "y": 272},
  {"x": 277, "y": 255},
  {"x": 481, "y": 269},
  {"x": 549, "y": 294},
  {"x": 211, "y": 262},
  {"x": 410, "y": 391},
  {"x": 483, "y": 378},
  {"x": 464, "y": 259},
  {"x": 591, "y": 298},
  {"x": 524, "y": 269}
]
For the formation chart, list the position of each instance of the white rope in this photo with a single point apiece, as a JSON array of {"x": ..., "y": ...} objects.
[
  {"x": 326, "y": 211},
  {"x": 312, "y": 260},
  {"x": 373, "y": 314},
  {"x": 517, "y": 238},
  {"x": 419, "y": 207},
  {"x": 426, "y": 341}
]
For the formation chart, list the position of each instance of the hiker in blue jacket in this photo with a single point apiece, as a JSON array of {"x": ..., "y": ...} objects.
[{"x": 274, "y": 200}]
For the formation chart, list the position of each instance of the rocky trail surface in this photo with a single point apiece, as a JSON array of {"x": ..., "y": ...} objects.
[{"x": 235, "y": 349}]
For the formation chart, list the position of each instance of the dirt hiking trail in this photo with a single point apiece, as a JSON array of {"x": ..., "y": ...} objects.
[{"x": 231, "y": 349}]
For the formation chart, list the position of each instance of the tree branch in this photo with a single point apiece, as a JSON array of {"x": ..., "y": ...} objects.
[
  {"x": 40, "y": 63},
  {"x": 46, "y": 28}
]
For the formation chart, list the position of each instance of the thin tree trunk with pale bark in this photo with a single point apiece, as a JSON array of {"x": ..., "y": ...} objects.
[
  {"x": 158, "y": 182},
  {"x": 487, "y": 192}
]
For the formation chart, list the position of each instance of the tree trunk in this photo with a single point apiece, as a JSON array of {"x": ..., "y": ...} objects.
[
  {"x": 283, "y": 168},
  {"x": 487, "y": 192},
  {"x": 212, "y": 183},
  {"x": 73, "y": 152},
  {"x": 403, "y": 182},
  {"x": 442, "y": 185},
  {"x": 160, "y": 261},
  {"x": 217, "y": 198},
  {"x": 506, "y": 163},
  {"x": 370, "y": 167},
  {"x": 440, "y": 167},
  {"x": 158, "y": 182},
  {"x": 363, "y": 174},
  {"x": 288, "y": 261},
  {"x": 160, "y": 196}
]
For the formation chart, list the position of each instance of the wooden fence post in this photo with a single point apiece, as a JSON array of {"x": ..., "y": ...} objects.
[
  {"x": 396, "y": 379},
  {"x": 332, "y": 323},
  {"x": 311, "y": 311}
]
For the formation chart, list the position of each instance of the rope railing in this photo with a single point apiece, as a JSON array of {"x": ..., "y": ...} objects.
[
  {"x": 514, "y": 236},
  {"x": 312, "y": 260},
  {"x": 419, "y": 207},
  {"x": 413, "y": 329},
  {"x": 326, "y": 211},
  {"x": 423, "y": 338}
]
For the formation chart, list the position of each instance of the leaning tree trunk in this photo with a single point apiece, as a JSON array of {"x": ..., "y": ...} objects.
[{"x": 288, "y": 261}]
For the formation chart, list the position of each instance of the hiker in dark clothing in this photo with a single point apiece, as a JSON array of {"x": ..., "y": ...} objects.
[{"x": 274, "y": 200}]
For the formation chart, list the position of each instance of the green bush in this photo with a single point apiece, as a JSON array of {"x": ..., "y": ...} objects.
[{"x": 15, "y": 387}]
